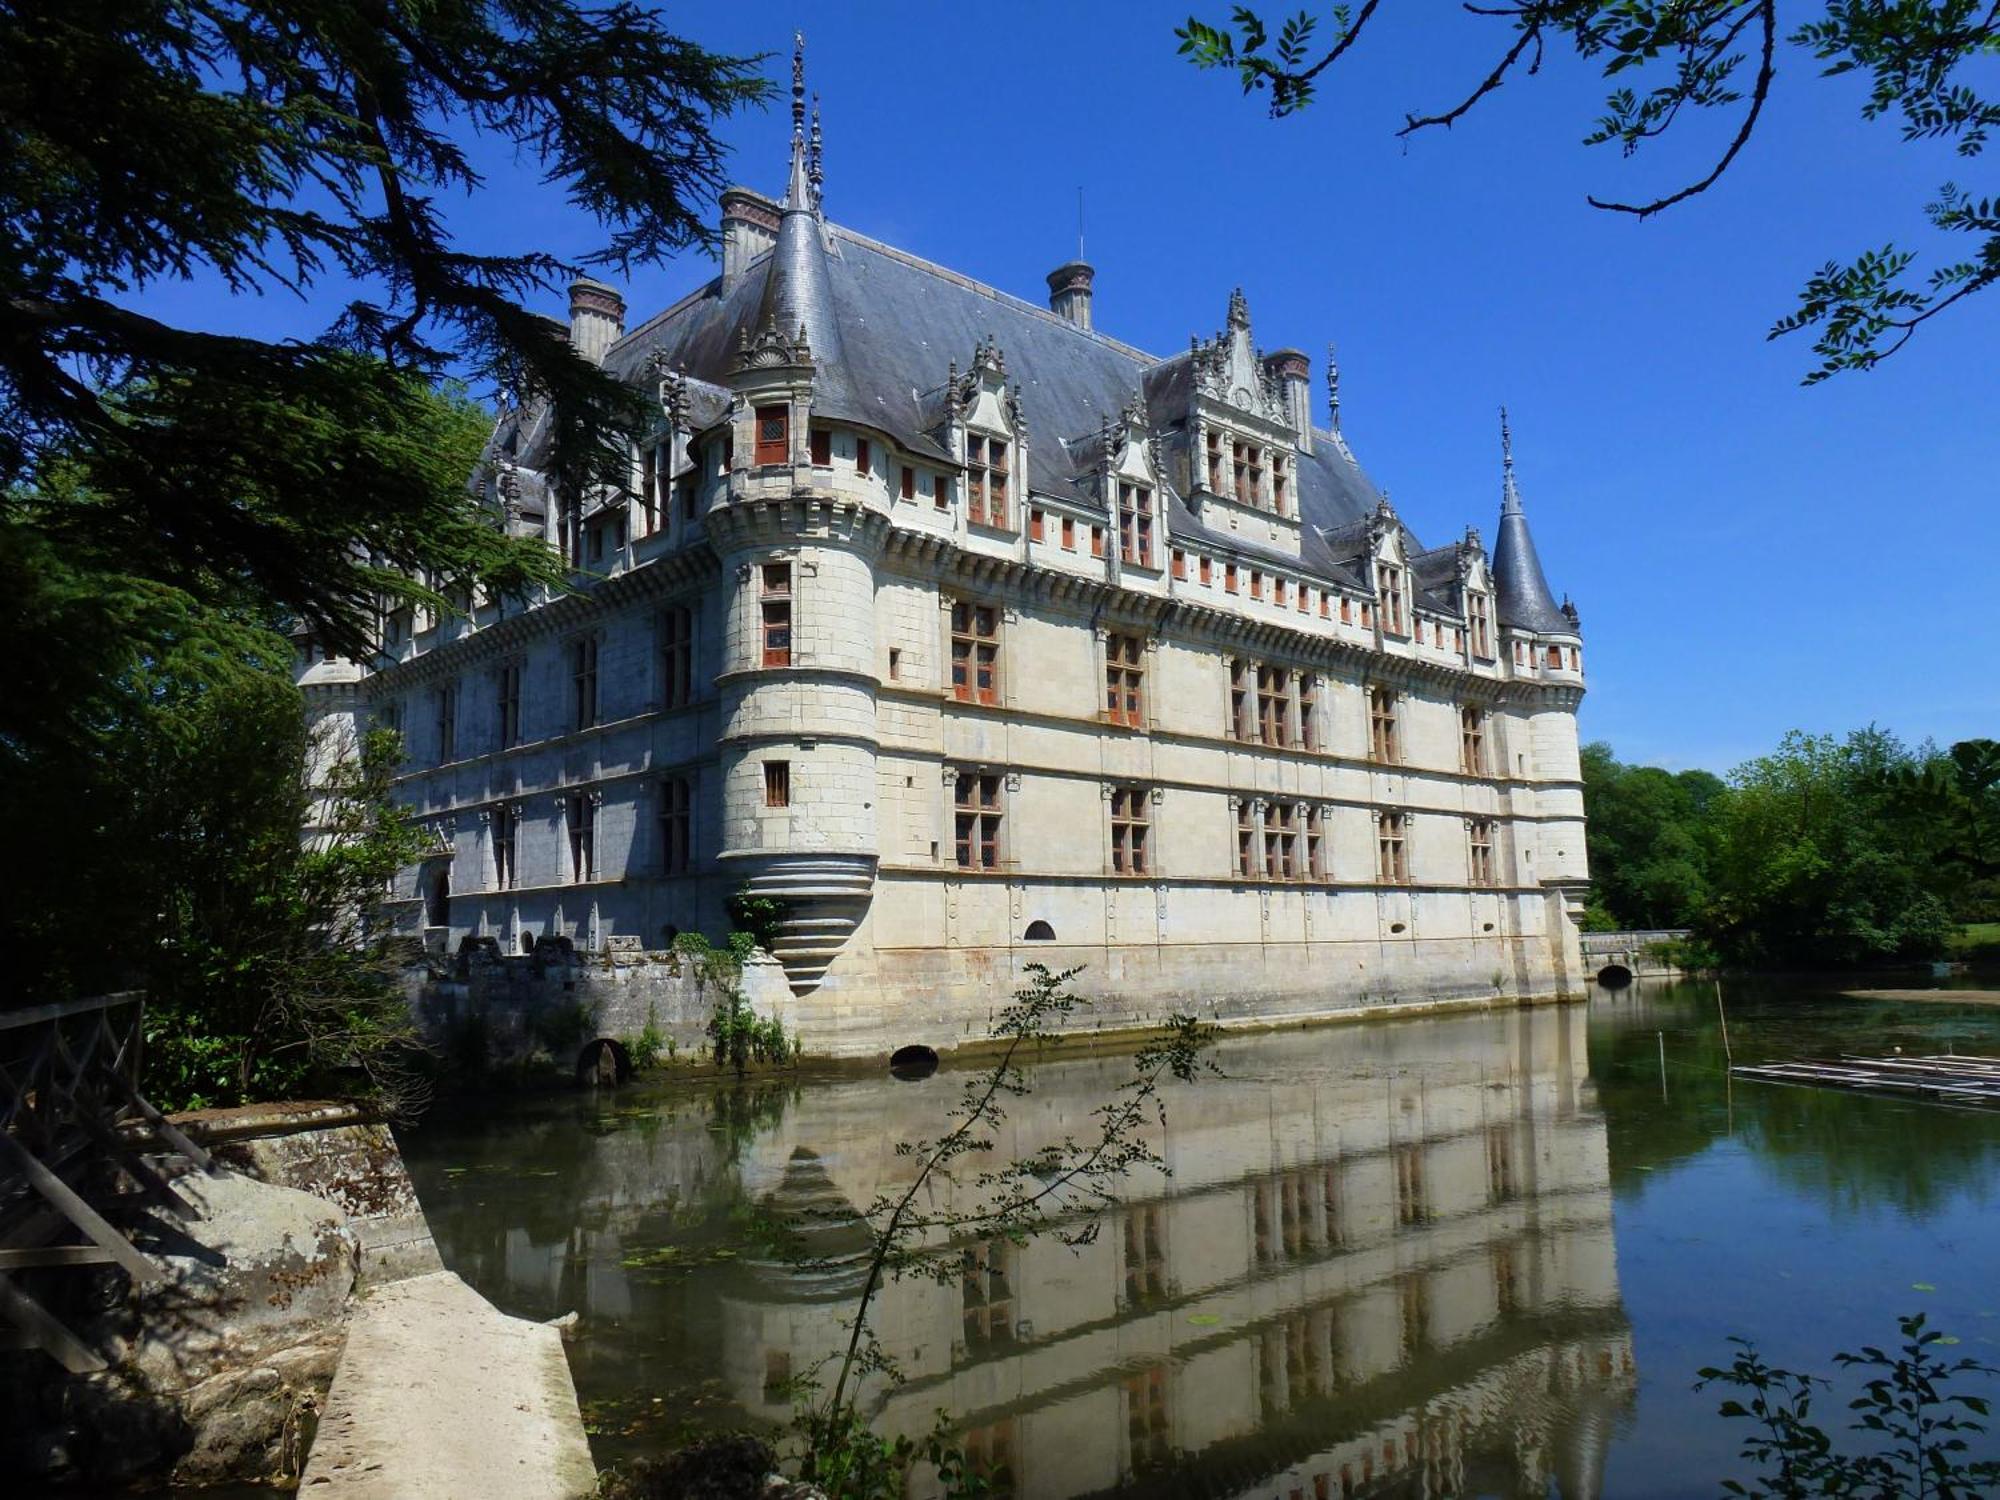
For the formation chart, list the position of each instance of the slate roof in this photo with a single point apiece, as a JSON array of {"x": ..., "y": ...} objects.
[{"x": 885, "y": 327}]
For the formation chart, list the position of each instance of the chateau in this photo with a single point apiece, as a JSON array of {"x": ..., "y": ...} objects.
[{"x": 978, "y": 638}]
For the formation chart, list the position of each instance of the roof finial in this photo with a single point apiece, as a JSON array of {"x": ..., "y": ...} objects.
[
  {"x": 797, "y": 190},
  {"x": 815, "y": 172},
  {"x": 1239, "y": 309},
  {"x": 1510, "y": 497},
  {"x": 1332, "y": 387}
]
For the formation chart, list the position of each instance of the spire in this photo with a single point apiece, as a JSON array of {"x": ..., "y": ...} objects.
[
  {"x": 797, "y": 189},
  {"x": 1518, "y": 580},
  {"x": 1239, "y": 309},
  {"x": 1332, "y": 387},
  {"x": 798, "y": 287},
  {"x": 815, "y": 171}
]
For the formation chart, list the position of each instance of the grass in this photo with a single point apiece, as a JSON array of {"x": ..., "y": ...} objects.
[{"x": 1974, "y": 940}]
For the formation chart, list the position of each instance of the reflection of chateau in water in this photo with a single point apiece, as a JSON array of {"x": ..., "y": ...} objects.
[{"x": 1383, "y": 1265}]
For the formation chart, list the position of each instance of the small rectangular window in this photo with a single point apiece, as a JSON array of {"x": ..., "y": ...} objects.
[
  {"x": 1124, "y": 680},
  {"x": 1208, "y": 570},
  {"x": 975, "y": 653},
  {"x": 510, "y": 704},
  {"x": 1256, "y": 583},
  {"x": 1384, "y": 742},
  {"x": 1309, "y": 711},
  {"x": 1479, "y": 836},
  {"x": 773, "y": 435},
  {"x": 895, "y": 664},
  {"x": 1131, "y": 823},
  {"x": 976, "y": 820},
  {"x": 1472, "y": 741},
  {"x": 1135, "y": 524},
  {"x": 676, "y": 657},
  {"x": 986, "y": 480},
  {"x": 1246, "y": 839},
  {"x": 1242, "y": 723},
  {"x": 822, "y": 448},
  {"x": 1391, "y": 861},
  {"x": 1315, "y": 843},
  {"x": 1180, "y": 564},
  {"x": 1037, "y": 524},
  {"x": 1097, "y": 541},
  {"x": 863, "y": 459},
  {"x": 777, "y": 783},
  {"x": 909, "y": 483},
  {"x": 676, "y": 826},
  {"x": 1229, "y": 578},
  {"x": 583, "y": 682},
  {"x": 777, "y": 613},
  {"x": 1068, "y": 534},
  {"x": 447, "y": 722}
]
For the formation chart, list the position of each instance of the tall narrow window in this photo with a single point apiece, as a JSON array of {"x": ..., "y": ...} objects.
[
  {"x": 649, "y": 488},
  {"x": 1281, "y": 842},
  {"x": 976, "y": 818},
  {"x": 777, "y": 783},
  {"x": 773, "y": 435},
  {"x": 1130, "y": 822},
  {"x": 506, "y": 826},
  {"x": 986, "y": 1293},
  {"x": 777, "y": 607},
  {"x": 820, "y": 442},
  {"x": 1097, "y": 541},
  {"x": 1246, "y": 838},
  {"x": 1180, "y": 564},
  {"x": 975, "y": 653},
  {"x": 864, "y": 460},
  {"x": 1241, "y": 725},
  {"x": 583, "y": 682},
  {"x": 1309, "y": 710},
  {"x": 1207, "y": 571},
  {"x": 676, "y": 826},
  {"x": 986, "y": 480},
  {"x": 1391, "y": 860},
  {"x": 1124, "y": 680},
  {"x": 1472, "y": 741},
  {"x": 509, "y": 693},
  {"x": 1278, "y": 501},
  {"x": 676, "y": 657},
  {"x": 446, "y": 700},
  {"x": 1316, "y": 843},
  {"x": 1068, "y": 534},
  {"x": 1256, "y": 583},
  {"x": 1390, "y": 586},
  {"x": 1240, "y": 473},
  {"x": 1383, "y": 740},
  {"x": 1480, "y": 840},
  {"x": 1229, "y": 578},
  {"x": 1135, "y": 525},
  {"x": 1214, "y": 462},
  {"x": 909, "y": 489},
  {"x": 582, "y": 819},
  {"x": 1038, "y": 525},
  {"x": 1273, "y": 691}
]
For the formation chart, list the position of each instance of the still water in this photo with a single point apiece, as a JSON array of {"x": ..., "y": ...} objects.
[{"x": 1476, "y": 1255}]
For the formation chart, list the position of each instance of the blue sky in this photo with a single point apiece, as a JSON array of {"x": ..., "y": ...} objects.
[{"x": 1749, "y": 556}]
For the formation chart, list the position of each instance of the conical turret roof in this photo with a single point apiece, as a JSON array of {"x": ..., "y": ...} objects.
[{"x": 1522, "y": 589}]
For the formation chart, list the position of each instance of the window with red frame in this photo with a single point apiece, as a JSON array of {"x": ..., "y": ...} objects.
[
  {"x": 1124, "y": 680},
  {"x": 975, "y": 653},
  {"x": 773, "y": 435},
  {"x": 777, "y": 611}
]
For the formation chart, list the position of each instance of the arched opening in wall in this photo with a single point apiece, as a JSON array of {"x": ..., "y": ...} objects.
[
  {"x": 1614, "y": 976},
  {"x": 603, "y": 1063},
  {"x": 1039, "y": 932},
  {"x": 527, "y": 941},
  {"x": 912, "y": 1063},
  {"x": 437, "y": 898}
]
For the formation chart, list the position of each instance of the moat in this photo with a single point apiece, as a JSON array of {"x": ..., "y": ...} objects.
[{"x": 1480, "y": 1254}]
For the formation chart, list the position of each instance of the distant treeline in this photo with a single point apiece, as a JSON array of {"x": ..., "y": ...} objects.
[{"x": 1830, "y": 851}]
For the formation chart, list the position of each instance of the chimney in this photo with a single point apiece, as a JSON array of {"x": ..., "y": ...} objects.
[
  {"x": 596, "y": 318},
  {"x": 1294, "y": 375},
  {"x": 1069, "y": 292},
  {"x": 749, "y": 228}
]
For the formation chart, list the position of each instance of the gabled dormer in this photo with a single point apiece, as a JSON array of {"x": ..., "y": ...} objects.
[
  {"x": 1475, "y": 598},
  {"x": 1133, "y": 489},
  {"x": 1389, "y": 570},
  {"x": 985, "y": 430},
  {"x": 1242, "y": 436}
]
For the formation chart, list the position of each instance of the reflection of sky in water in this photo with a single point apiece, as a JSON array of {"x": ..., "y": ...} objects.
[{"x": 1384, "y": 1263}]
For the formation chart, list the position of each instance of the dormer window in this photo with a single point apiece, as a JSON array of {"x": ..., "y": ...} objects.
[
  {"x": 1135, "y": 524},
  {"x": 986, "y": 479},
  {"x": 773, "y": 435},
  {"x": 1482, "y": 639},
  {"x": 1390, "y": 589}
]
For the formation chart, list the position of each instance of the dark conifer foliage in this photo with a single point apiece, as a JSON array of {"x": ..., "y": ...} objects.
[{"x": 280, "y": 144}]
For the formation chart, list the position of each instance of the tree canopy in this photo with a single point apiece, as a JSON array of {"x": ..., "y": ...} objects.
[
  {"x": 275, "y": 144},
  {"x": 1672, "y": 61}
]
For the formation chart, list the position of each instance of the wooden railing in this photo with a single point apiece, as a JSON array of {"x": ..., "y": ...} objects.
[{"x": 70, "y": 1175}]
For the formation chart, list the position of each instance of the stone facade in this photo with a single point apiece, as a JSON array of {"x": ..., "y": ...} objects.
[{"x": 1030, "y": 648}]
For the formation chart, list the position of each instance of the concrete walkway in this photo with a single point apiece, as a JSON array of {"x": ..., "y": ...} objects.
[{"x": 440, "y": 1396}]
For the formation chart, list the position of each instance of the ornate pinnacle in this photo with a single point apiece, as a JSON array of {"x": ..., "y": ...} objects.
[
  {"x": 1510, "y": 497},
  {"x": 1332, "y": 387},
  {"x": 815, "y": 171},
  {"x": 1239, "y": 309},
  {"x": 798, "y": 85}
]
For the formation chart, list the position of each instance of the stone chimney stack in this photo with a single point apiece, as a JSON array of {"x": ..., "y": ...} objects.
[
  {"x": 749, "y": 228},
  {"x": 1294, "y": 375},
  {"x": 1069, "y": 292},
  {"x": 596, "y": 318}
]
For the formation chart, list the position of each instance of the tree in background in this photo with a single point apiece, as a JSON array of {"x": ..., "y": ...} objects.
[
  {"x": 1815, "y": 869},
  {"x": 1651, "y": 841},
  {"x": 1925, "y": 62}
]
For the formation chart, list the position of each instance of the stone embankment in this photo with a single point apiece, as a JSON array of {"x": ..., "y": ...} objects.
[{"x": 309, "y": 1242}]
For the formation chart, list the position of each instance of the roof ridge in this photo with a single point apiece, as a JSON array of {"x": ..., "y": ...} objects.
[{"x": 1020, "y": 304}]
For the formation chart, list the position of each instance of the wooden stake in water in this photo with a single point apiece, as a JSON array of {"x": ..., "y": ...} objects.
[
  {"x": 1662, "y": 1036},
  {"x": 1729, "y": 1058}
]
